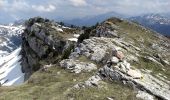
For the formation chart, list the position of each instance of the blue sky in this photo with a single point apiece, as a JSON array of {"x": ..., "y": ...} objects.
[{"x": 11, "y": 10}]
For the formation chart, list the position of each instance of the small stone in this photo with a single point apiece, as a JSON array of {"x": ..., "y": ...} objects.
[
  {"x": 123, "y": 68},
  {"x": 109, "y": 98},
  {"x": 127, "y": 65},
  {"x": 134, "y": 74},
  {"x": 58, "y": 73},
  {"x": 120, "y": 55},
  {"x": 114, "y": 60}
]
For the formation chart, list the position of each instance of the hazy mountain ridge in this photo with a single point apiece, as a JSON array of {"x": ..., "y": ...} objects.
[
  {"x": 157, "y": 22},
  {"x": 92, "y": 20}
]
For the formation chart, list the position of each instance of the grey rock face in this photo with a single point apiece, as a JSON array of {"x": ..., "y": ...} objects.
[
  {"x": 98, "y": 49},
  {"x": 42, "y": 40},
  {"x": 110, "y": 73},
  {"x": 38, "y": 46},
  {"x": 106, "y": 31}
]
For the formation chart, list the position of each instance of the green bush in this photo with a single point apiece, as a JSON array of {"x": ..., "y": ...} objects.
[
  {"x": 39, "y": 20},
  {"x": 87, "y": 32},
  {"x": 85, "y": 35},
  {"x": 67, "y": 52}
]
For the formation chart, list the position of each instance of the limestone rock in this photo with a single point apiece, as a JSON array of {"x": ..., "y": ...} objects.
[
  {"x": 77, "y": 66},
  {"x": 123, "y": 66},
  {"x": 42, "y": 41},
  {"x": 134, "y": 74},
  {"x": 144, "y": 96},
  {"x": 119, "y": 54},
  {"x": 102, "y": 31},
  {"x": 98, "y": 49},
  {"x": 147, "y": 82},
  {"x": 114, "y": 60},
  {"x": 92, "y": 81}
]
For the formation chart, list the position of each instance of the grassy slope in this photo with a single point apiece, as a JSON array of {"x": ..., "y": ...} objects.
[
  {"x": 57, "y": 83},
  {"x": 132, "y": 32}
]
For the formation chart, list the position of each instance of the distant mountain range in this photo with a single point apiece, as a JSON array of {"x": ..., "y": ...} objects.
[
  {"x": 88, "y": 21},
  {"x": 10, "y": 38},
  {"x": 157, "y": 22}
]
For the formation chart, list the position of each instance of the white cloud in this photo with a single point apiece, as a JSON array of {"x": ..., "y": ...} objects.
[
  {"x": 1, "y": 3},
  {"x": 14, "y": 6},
  {"x": 69, "y": 9},
  {"x": 78, "y": 3},
  {"x": 41, "y": 8},
  {"x": 22, "y": 5}
]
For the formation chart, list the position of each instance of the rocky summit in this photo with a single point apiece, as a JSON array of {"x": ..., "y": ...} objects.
[{"x": 113, "y": 60}]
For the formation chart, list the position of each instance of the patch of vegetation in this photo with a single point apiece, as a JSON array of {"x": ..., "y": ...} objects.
[
  {"x": 110, "y": 89},
  {"x": 67, "y": 52},
  {"x": 87, "y": 32},
  {"x": 154, "y": 67},
  {"x": 85, "y": 35}
]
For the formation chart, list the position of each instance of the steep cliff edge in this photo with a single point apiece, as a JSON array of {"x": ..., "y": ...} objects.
[{"x": 44, "y": 42}]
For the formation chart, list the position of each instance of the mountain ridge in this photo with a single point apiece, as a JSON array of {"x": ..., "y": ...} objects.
[
  {"x": 115, "y": 59},
  {"x": 92, "y": 20},
  {"x": 154, "y": 21}
]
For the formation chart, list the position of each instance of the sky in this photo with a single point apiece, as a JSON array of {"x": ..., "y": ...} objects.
[{"x": 11, "y": 10}]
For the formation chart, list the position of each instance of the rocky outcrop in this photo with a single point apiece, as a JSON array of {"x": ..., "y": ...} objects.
[
  {"x": 98, "y": 49},
  {"x": 146, "y": 82},
  {"x": 111, "y": 53},
  {"x": 43, "y": 42},
  {"x": 107, "y": 29}
]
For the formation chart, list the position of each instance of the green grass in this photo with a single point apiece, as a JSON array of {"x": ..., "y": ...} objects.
[
  {"x": 107, "y": 89},
  {"x": 131, "y": 32},
  {"x": 154, "y": 67},
  {"x": 57, "y": 83},
  {"x": 43, "y": 85}
]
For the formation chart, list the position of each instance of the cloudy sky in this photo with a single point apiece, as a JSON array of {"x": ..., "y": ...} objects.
[{"x": 11, "y": 10}]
